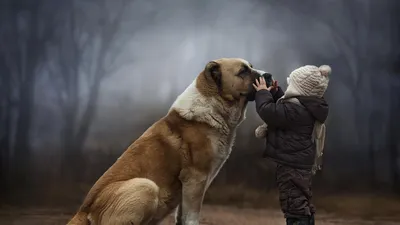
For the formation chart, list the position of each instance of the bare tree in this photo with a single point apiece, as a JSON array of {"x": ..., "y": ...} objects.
[
  {"x": 353, "y": 42},
  {"x": 26, "y": 30},
  {"x": 364, "y": 61},
  {"x": 394, "y": 121},
  {"x": 392, "y": 138},
  {"x": 5, "y": 121},
  {"x": 88, "y": 51}
]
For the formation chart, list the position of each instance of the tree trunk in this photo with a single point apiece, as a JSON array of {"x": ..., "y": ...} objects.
[
  {"x": 5, "y": 146},
  {"x": 71, "y": 154},
  {"x": 85, "y": 124},
  {"x": 394, "y": 161},
  {"x": 393, "y": 142},
  {"x": 371, "y": 151},
  {"x": 22, "y": 150},
  {"x": 68, "y": 142},
  {"x": 365, "y": 132},
  {"x": 394, "y": 122},
  {"x": 74, "y": 140}
]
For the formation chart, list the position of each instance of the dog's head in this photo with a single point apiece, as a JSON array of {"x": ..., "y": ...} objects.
[{"x": 229, "y": 78}]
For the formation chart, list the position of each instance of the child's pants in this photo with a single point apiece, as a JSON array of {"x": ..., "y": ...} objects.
[{"x": 295, "y": 194}]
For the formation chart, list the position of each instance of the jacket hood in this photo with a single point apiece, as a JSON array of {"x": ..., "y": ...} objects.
[{"x": 318, "y": 107}]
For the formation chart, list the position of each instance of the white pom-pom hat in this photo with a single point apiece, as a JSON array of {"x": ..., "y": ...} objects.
[{"x": 308, "y": 81}]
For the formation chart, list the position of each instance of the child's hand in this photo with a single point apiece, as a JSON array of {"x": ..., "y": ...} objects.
[
  {"x": 261, "y": 85},
  {"x": 261, "y": 131},
  {"x": 274, "y": 85}
]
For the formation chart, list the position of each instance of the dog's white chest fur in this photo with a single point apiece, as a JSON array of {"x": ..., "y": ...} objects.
[
  {"x": 222, "y": 147},
  {"x": 192, "y": 105}
]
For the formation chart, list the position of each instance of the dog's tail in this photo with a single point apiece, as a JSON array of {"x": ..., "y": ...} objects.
[{"x": 80, "y": 218}]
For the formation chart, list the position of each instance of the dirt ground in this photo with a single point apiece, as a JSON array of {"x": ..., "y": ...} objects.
[{"x": 211, "y": 215}]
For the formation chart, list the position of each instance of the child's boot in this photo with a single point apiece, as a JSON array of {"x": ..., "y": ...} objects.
[
  {"x": 312, "y": 219},
  {"x": 298, "y": 221}
]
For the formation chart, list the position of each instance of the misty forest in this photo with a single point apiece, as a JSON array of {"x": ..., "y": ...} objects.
[{"x": 80, "y": 80}]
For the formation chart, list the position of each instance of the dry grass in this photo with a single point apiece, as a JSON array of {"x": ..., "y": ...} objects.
[
  {"x": 366, "y": 206},
  {"x": 363, "y": 206},
  {"x": 210, "y": 215},
  {"x": 233, "y": 205},
  {"x": 218, "y": 215}
]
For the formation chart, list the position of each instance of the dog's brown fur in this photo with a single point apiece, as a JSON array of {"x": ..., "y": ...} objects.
[{"x": 172, "y": 164}]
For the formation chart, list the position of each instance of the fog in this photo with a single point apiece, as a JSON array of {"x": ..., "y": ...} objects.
[{"x": 81, "y": 80}]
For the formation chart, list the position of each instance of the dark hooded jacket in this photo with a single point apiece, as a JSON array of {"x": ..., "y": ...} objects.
[{"x": 290, "y": 127}]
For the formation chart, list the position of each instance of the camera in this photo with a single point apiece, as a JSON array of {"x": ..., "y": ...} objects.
[{"x": 269, "y": 80}]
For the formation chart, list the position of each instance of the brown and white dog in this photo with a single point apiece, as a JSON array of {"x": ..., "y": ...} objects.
[{"x": 175, "y": 160}]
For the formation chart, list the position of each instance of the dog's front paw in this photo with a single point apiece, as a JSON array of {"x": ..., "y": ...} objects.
[{"x": 261, "y": 131}]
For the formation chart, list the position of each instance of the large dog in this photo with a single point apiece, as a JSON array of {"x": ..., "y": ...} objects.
[{"x": 173, "y": 163}]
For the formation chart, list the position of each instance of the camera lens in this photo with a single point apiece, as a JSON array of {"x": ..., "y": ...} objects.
[{"x": 268, "y": 79}]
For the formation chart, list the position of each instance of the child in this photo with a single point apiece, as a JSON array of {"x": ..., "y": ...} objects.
[{"x": 295, "y": 135}]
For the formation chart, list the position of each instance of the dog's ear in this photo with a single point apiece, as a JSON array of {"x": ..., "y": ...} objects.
[{"x": 213, "y": 70}]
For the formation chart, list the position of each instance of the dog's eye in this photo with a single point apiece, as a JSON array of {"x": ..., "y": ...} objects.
[{"x": 244, "y": 70}]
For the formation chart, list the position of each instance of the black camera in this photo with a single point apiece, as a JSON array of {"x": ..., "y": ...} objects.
[{"x": 269, "y": 80}]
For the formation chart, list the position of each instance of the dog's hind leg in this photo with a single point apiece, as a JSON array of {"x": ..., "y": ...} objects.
[{"x": 134, "y": 201}]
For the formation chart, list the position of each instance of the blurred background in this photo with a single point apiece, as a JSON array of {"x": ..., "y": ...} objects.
[{"x": 80, "y": 80}]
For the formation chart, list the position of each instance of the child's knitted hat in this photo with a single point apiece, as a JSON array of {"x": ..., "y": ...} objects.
[{"x": 308, "y": 81}]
